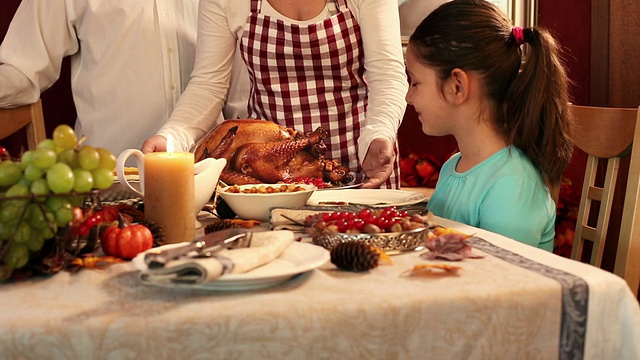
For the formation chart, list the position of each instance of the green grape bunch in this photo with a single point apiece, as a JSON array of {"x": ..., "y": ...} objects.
[{"x": 36, "y": 192}]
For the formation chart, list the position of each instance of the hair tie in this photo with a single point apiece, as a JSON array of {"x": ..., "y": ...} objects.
[{"x": 518, "y": 34}]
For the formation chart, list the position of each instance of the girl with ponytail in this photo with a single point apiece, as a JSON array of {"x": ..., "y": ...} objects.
[{"x": 502, "y": 92}]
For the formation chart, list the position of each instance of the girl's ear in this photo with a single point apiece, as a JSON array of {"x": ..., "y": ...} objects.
[{"x": 457, "y": 87}]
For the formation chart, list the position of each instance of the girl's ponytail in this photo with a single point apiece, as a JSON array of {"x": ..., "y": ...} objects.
[{"x": 535, "y": 108}]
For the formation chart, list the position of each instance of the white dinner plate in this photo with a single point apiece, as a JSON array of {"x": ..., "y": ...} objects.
[
  {"x": 296, "y": 259},
  {"x": 370, "y": 197}
]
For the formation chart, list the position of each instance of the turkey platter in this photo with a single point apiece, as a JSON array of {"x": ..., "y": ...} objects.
[{"x": 259, "y": 151}]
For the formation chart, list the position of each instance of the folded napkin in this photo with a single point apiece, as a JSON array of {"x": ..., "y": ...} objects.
[{"x": 265, "y": 247}]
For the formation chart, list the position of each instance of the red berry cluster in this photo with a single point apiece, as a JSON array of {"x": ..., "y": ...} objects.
[
  {"x": 388, "y": 219},
  {"x": 318, "y": 182}
]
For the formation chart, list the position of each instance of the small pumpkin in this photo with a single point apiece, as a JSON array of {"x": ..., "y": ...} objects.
[{"x": 125, "y": 241}]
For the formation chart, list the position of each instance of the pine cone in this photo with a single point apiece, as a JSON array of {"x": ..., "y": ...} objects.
[
  {"x": 355, "y": 256},
  {"x": 157, "y": 231},
  {"x": 219, "y": 224}
]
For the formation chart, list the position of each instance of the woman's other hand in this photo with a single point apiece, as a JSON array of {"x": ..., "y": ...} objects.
[
  {"x": 154, "y": 144},
  {"x": 378, "y": 164}
]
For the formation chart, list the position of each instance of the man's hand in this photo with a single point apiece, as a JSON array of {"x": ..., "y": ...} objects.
[
  {"x": 378, "y": 164},
  {"x": 154, "y": 144}
]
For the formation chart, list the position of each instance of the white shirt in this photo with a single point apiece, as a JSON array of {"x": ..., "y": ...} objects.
[
  {"x": 130, "y": 61},
  {"x": 219, "y": 63}
]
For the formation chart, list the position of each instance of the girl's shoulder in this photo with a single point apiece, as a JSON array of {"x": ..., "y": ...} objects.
[
  {"x": 514, "y": 160},
  {"x": 451, "y": 162},
  {"x": 506, "y": 161}
]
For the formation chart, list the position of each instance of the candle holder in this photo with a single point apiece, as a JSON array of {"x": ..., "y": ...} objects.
[{"x": 204, "y": 176}]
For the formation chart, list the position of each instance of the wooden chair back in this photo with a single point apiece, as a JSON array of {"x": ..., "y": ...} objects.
[
  {"x": 627, "y": 262},
  {"x": 29, "y": 117},
  {"x": 607, "y": 134}
]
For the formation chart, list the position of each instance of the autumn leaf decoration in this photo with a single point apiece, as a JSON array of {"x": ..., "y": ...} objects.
[{"x": 449, "y": 245}]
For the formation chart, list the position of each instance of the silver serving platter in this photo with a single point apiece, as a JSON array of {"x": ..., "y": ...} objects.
[{"x": 394, "y": 242}]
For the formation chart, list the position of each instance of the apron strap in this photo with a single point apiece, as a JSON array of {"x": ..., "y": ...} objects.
[{"x": 256, "y": 6}]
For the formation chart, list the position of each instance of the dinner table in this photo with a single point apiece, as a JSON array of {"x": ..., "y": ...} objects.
[{"x": 512, "y": 302}]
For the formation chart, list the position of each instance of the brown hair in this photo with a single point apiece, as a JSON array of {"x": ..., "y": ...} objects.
[{"x": 530, "y": 92}]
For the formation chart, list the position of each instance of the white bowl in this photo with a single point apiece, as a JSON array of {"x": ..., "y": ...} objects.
[{"x": 256, "y": 206}]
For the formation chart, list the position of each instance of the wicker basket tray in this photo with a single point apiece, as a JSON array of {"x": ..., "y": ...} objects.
[
  {"x": 389, "y": 242},
  {"x": 53, "y": 253}
]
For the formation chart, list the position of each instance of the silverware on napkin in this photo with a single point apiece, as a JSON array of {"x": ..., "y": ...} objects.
[
  {"x": 208, "y": 244},
  {"x": 198, "y": 268}
]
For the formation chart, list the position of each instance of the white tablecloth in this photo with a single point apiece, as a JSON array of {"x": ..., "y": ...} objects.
[{"x": 516, "y": 303}]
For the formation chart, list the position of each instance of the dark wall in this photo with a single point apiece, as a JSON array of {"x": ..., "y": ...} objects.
[
  {"x": 57, "y": 102},
  {"x": 570, "y": 22}
]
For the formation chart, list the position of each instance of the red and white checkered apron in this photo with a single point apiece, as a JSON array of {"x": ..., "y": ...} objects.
[{"x": 304, "y": 77}]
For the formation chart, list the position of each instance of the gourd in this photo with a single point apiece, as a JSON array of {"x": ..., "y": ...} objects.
[{"x": 125, "y": 241}]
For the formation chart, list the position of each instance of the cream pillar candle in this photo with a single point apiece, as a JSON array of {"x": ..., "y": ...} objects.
[{"x": 169, "y": 194}]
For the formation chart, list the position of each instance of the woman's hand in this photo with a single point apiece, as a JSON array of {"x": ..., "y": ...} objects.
[
  {"x": 378, "y": 164},
  {"x": 154, "y": 144}
]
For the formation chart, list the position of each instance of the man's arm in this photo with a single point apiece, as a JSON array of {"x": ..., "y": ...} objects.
[{"x": 39, "y": 37}]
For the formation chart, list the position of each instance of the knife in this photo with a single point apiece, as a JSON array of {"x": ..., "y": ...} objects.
[{"x": 212, "y": 242}]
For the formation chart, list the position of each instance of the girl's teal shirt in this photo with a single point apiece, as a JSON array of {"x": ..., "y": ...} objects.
[{"x": 504, "y": 194}]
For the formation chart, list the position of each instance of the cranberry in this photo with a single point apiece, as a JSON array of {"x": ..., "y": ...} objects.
[
  {"x": 342, "y": 225},
  {"x": 358, "y": 224},
  {"x": 383, "y": 223},
  {"x": 365, "y": 214},
  {"x": 389, "y": 212}
]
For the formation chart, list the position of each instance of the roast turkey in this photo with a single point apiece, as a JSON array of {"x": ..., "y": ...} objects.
[{"x": 259, "y": 151}]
